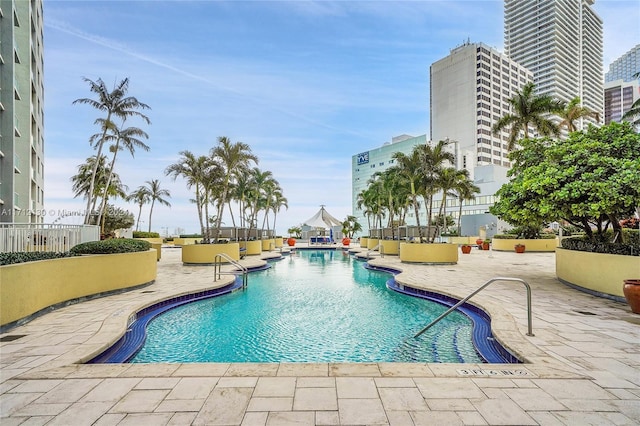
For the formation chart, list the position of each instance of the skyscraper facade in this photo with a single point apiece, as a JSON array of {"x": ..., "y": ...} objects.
[
  {"x": 619, "y": 95},
  {"x": 469, "y": 92},
  {"x": 21, "y": 111},
  {"x": 560, "y": 41},
  {"x": 625, "y": 67}
]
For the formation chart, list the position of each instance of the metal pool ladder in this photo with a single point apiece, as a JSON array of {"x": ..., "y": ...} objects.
[
  {"x": 485, "y": 285},
  {"x": 217, "y": 268}
]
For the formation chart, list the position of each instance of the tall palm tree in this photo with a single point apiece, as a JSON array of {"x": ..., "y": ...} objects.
[
  {"x": 141, "y": 197},
  {"x": 448, "y": 180},
  {"x": 465, "y": 190},
  {"x": 433, "y": 159},
  {"x": 633, "y": 115},
  {"x": 279, "y": 201},
  {"x": 128, "y": 139},
  {"x": 573, "y": 112},
  {"x": 259, "y": 182},
  {"x": 156, "y": 193},
  {"x": 529, "y": 109},
  {"x": 193, "y": 169},
  {"x": 235, "y": 159},
  {"x": 409, "y": 167},
  {"x": 116, "y": 104}
]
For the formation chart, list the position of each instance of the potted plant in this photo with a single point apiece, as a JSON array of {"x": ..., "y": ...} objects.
[
  {"x": 519, "y": 248},
  {"x": 466, "y": 248},
  {"x": 485, "y": 244},
  {"x": 631, "y": 290},
  {"x": 479, "y": 242}
]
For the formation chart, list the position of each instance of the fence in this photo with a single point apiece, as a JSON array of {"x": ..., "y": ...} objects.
[{"x": 20, "y": 237}]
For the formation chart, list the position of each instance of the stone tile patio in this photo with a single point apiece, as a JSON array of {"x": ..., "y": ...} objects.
[{"x": 582, "y": 366}]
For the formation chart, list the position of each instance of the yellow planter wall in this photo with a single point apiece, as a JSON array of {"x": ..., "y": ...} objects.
[
  {"x": 372, "y": 242},
  {"x": 206, "y": 253},
  {"x": 603, "y": 273},
  {"x": 268, "y": 245},
  {"x": 26, "y": 288},
  {"x": 151, "y": 240},
  {"x": 390, "y": 247},
  {"x": 530, "y": 245},
  {"x": 364, "y": 242},
  {"x": 428, "y": 253},
  {"x": 462, "y": 240},
  {"x": 279, "y": 242},
  {"x": 158, "y": 248},
  {"x": 185, "y": 241},
  {"x": 253, "y": 247}
]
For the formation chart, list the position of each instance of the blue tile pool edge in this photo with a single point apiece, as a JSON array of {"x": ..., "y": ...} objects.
[
  {"x": 487, "y": 347},
  {"x": 125, "y": 348}
]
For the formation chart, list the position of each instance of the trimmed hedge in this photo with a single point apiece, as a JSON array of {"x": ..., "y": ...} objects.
[
  {"x": 116, "y": 245},
  {"x": 142, "y": 234},
  {"x": 22, "y": 257},
  {"x": 544, "y": 236},
  {"x": 190, "y": 235},
  {"x": 631, "y": 248}
]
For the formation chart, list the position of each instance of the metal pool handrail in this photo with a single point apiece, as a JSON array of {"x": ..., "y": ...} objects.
[
  {"x": 217, "y": 267},
  {"x": 380, "y": 248},
  {"x": 492, "y": 280}
]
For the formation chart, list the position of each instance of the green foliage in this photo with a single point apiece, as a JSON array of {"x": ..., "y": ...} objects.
[
  {"x": 117, "y": 218},
  {"x": 190, "y": 235},
  {"x": 541, "y": 236},
  {"x": 590, "y": 180},
  {"x": 21, "y": 257},
  {"x": 116, "y": 245},
  {"x": 295, "y": 231},
  {"x": 142, "y": 234},
  {"x": 630, "y": 248}
]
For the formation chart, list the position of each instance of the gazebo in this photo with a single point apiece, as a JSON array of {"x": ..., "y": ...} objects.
[{"x": 322, "y": 227}]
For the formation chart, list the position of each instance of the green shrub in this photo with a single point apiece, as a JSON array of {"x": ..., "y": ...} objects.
[
  {"x": 142, "y": 234},
  {"x": 543, "y": 236},
  {"x": 190, "y": 235},
  {"x": 22, "y": 257},
  {"x": 116, "y": 245},
  {"x": 629, "y": 248}
]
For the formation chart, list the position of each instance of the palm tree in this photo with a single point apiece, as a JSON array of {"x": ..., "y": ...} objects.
[
  {"x": 116, "y": 104},
  {"x": 141, "y": 197},
  {"x": 465, "y": 190},
  {"x": 81, "y": 182},
  {"x": 633, "y": 115},
  {"x": 432, "y": 159},
  {"x": 156, "y": 194},
  {"x": 573, "y": 112},
  {"x": 235, "y": 159},
  {"x": 529, "y": 109},
  {"x": 194, "y": 170},
  {"x": 448, "y": 181},
  {"x": 409, "y": 167},
  {"x": 124, "y": 139},
  {"x": 259, "y": 182}
]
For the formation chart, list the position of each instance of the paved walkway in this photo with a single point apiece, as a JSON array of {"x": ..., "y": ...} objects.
[{"x": 582, "y": 366}]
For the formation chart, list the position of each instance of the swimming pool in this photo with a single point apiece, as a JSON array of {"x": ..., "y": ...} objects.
[{"x": 312, "y": 306}]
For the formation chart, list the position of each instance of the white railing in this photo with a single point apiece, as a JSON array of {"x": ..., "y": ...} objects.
[{"x": 19, "y": 237}]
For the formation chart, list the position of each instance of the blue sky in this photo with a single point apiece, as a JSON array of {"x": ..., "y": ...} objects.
[{"x": 307, "y": 84}]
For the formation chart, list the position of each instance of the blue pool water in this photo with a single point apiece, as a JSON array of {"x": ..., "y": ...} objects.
[{"x": 312, "y": 306}]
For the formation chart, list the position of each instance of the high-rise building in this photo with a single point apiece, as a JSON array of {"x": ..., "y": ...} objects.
[
  {"x": 469, "y": 92},
  {"x": 625, "y": 67},
  {"x": 21, "y": 111},
  {"x": 619, "y": 95},
  {"x": 560, "y": 41}
]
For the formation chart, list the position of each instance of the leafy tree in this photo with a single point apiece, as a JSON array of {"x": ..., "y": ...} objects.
[
  {"x": 529, "y": 109},
  {"x": 296, "y": 231},
  {"x": 116, "y": 104},
  {"x": 350, "y": 226},
  {"x": 116, "y": 218},
  {"x": 591, "y": 180}
]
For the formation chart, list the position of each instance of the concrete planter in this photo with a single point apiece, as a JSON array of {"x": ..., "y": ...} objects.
[
  {"x": 372, "y": 242},
  {"x": 429, "y": 253},
  {"x": 541, "y": 245},
  {"x": 253, "y": 248},
  {"x": 56, "y": 281},
  {"x": 279, "y": 242},
  {"x": 185, "y": 241},
  {"x": 268, "y": 245},
  {"x": 364, "y": 242},
  {"x": 391, "y": 247},
  {"x": 462, "y": 240},
  {"x": 204, "y": 254},
  {"x": 597, "y": 273}
]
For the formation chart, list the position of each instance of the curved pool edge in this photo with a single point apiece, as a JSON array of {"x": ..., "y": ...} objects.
[{"x": 128, "y": 343}]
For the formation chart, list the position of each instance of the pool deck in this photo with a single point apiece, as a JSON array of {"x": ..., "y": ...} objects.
[{"x": 582, "y": 364}]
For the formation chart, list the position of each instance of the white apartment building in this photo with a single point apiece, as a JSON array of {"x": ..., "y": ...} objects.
[
  {"x": 469, "y": 92},
  {"x": 21, "y": 111},
  {"x": 625, "y": 66},
  {"x": 619, "y": 95},
  {"x": 560, "y": 41}
]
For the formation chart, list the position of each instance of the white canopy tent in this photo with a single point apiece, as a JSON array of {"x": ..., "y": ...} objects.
[
  {"x": 322, "y": 219},
  {"x": 314, "y": 228}
]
